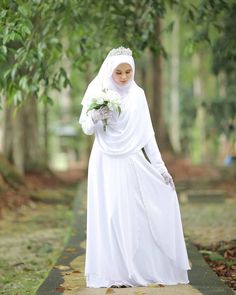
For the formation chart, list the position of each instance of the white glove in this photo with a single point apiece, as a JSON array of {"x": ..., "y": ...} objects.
[
  {"x": 168, "y": 179},
  {"x": 101, "y": 114}
]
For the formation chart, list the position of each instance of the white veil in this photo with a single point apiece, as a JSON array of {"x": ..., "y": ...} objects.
[
  {"x": 104, "y": 76},
  {"x": 131, "y": 130}
]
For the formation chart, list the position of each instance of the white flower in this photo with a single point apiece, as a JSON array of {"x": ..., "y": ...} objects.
[
  {"x": 108, "y": 98},
  {"x": 99, "y": 100},
  {"x": 111, "y": 106}
]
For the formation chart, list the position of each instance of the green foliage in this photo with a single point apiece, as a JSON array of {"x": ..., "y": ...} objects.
[
  {"x": 38, "y": 38},
  {"x": 206, "y": 28},
  {"x": 214, "y": 256},
  {"x": 214, "y": 25},
  {"x": 36, "y": 240},
  {"x": 224, "y": 47},
  {"x": 30, "y": 46},
  {"x": 222, "y": 109},
  {"x": 111, "y": 24},
  {"x": 35, "y": 35}
]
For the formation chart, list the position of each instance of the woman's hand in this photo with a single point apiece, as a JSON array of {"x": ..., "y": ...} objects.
[
  {"x": 101, "y": 114},
  {"x": 168, "y": 179}
]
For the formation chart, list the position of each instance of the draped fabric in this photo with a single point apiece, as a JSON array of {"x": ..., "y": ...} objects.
[
  {"x": 121, "y": 136},
  {"x": 134, "y": 229},
  {"x": 103, "y": 78}
]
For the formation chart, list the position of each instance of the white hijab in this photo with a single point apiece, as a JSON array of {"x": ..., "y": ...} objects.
[{"x": 132, "y": 129}]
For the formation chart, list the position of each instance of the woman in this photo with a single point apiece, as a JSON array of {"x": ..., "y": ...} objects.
[{"x": 134, "y": 230}]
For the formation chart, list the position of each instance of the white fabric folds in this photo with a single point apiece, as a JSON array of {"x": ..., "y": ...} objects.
[
  {"x": 134, "y": 230},
  {"x": 129, "y": 131}
]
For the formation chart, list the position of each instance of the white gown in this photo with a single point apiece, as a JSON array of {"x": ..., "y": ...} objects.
[{"x": 134, "y": 229}]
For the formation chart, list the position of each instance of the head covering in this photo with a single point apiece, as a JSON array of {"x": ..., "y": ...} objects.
[
  {"x": 104, "y": 77},
  {"x": 132, "y": 129}
]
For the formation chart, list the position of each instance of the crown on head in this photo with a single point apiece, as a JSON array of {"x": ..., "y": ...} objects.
[{"x": 120, "y": 51}]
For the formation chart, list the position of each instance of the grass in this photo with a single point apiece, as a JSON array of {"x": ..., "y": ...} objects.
[{"x": 31, "y": 239}]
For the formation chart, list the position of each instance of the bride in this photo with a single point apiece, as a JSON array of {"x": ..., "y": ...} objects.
[{"x": 134, "y": 229}]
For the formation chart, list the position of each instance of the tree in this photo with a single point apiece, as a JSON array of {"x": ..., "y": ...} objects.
[
  {"x": 174, "y": 106},
  {"x": 215, "y": 28},
  {"x": 199, "y": 130},
  {"x": 157, "y": 107},
  {"x": 30, "y": 47},
  {"x": 36, "y": 34}
]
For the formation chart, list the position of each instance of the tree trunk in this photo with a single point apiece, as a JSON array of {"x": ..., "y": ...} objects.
[
  {"x": 143, "y": 71},
  {"x": 156, "y": 105},
  {"x": 7, "y": 135},
  {"x": 175, "y": 124},
  {"x": 199, "y": 140},
  {"x": 21, "y": 137},
  {"x": 18, "y": 140},
  {"x": 224, "y": 142},
  {"x": 222, "y": 78},
  {"x": 33, "y": 157},
  {"x": 45, "y": 134}
]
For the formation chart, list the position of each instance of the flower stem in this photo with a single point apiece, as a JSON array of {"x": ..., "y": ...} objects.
[{"x": 104, "y": 124}]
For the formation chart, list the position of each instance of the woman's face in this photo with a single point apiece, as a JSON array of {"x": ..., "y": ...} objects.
[{"x": 122, "y": 74}]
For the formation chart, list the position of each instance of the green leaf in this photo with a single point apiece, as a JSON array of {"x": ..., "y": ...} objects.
[
  {"x": 189, "y": 48},
  {"x": 4, "y": 49},
  {"x": 191, "y": 14},
  {"x": 6, "y": 37},
  {"x": 54, "y": 40},
  {"x": 94, "y": 106},
  {"x": 206, "y": 252},
  {"x": 3, "y": 13},
  {"x": 2, "y": 57},
  {"x": 13, "y": 72},
  {"x": 23, "y": 83},
  {"x": 25, "y": 30},
  {"x": 24, "y": 10},
  {"x": 17, "y": 97},
  {"x": 7, "y": 73},
  {"x": 214, "y": 256},
  {"x": 46, "y": 99}
]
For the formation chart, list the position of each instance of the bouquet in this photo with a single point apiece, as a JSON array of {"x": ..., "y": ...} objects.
[{"x": 108, "y": 98}]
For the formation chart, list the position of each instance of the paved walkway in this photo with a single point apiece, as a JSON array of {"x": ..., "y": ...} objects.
[{"x": 67, "y": 275}]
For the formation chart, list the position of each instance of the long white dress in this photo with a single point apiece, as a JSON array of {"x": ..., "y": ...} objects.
[{"x": 134, "y": 230}]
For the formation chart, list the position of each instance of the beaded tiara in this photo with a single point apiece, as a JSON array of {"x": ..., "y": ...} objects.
[{"x": 120, "y": 51}]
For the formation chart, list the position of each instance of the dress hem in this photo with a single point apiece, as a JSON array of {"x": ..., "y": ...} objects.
[{"x": 127, "y": 284}]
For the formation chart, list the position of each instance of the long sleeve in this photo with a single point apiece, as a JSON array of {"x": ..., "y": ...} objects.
[
  {"x": 153, "y": 153},
  {"x": 86, "y": 122}
]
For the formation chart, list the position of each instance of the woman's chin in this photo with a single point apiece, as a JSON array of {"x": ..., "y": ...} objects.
[{"x": 123, "y": 83}]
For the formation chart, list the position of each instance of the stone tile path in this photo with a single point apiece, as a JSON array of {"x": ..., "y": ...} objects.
[{"x": 67, "y": 275}]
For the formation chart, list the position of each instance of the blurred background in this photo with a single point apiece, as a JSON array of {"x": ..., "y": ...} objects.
[
  {"x": 185, "y": 54},
  {"x": 185, "y": 58}
]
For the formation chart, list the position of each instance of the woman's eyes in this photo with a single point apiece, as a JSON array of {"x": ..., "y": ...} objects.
[{"x": 119, "y": 73}]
